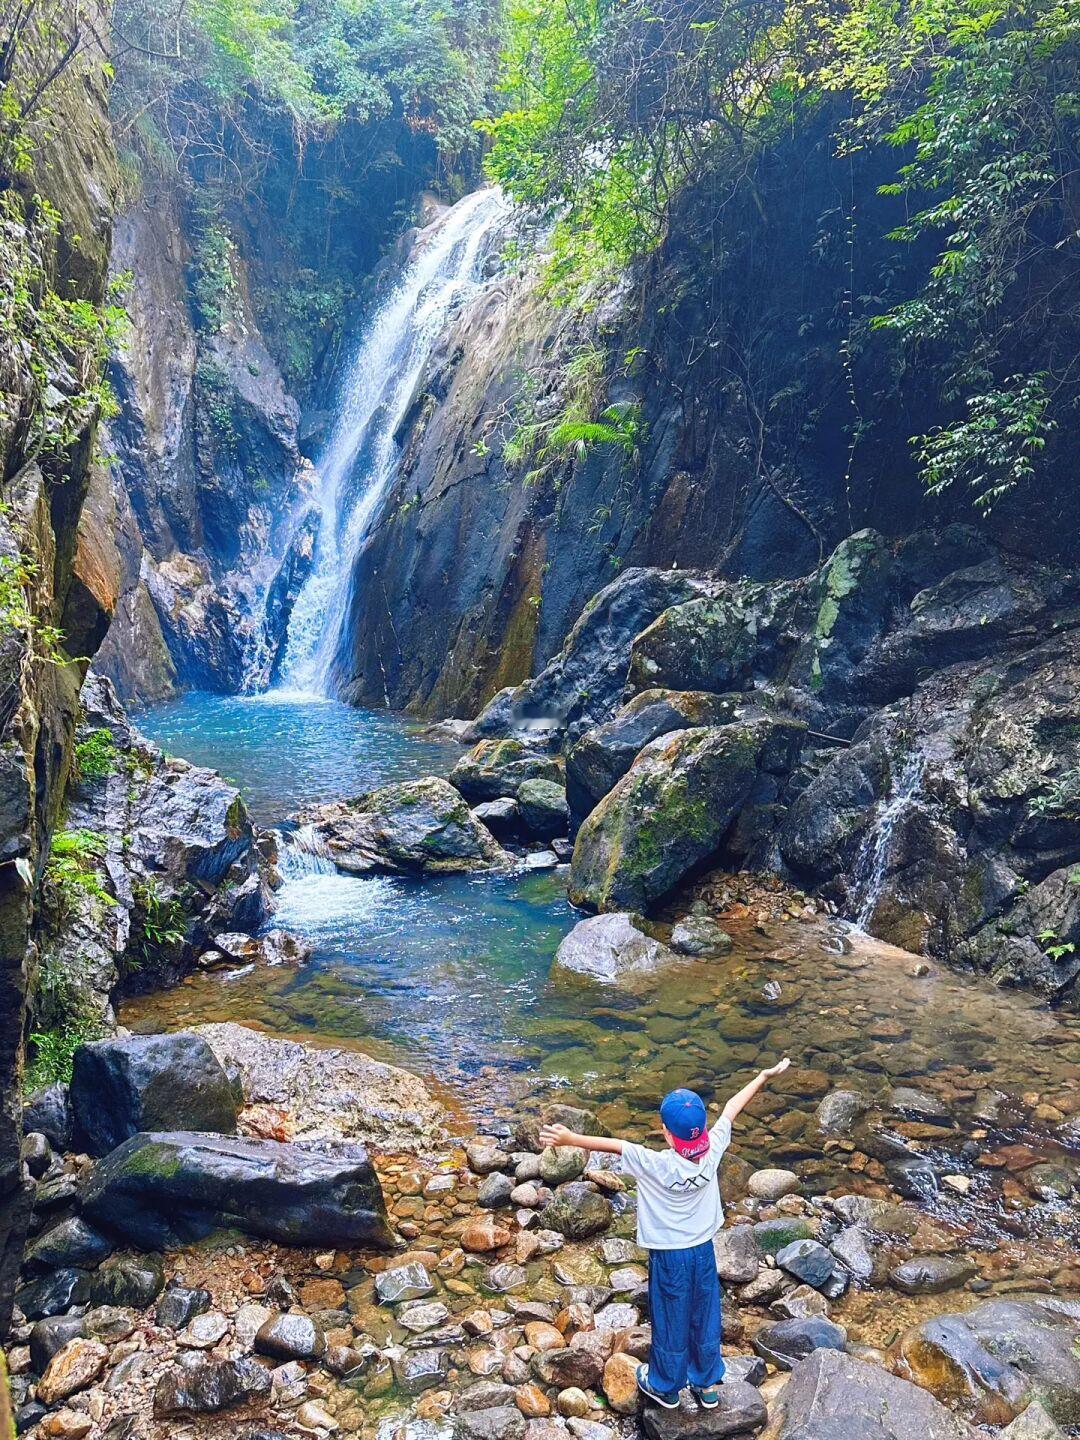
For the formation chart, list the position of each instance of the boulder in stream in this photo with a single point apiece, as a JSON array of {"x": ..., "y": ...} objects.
[
  {"x": 612, "y": 947},
  {"x": 833, "y": 1396},
  {"x": 162, "y": 1189},
  {"x": 673, "y": 809},
  {"x": 413, "y": 827},
  {"x": 496, "y": 769},
  {"x": 147, "y": 1082}
]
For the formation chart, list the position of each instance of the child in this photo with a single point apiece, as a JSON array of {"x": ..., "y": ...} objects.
[{"x": 679, "y": 1212}]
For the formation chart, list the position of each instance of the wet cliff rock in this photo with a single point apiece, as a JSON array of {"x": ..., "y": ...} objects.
[
  {"x": 52, "y": 578},
  {"x": 155, "y": 858},
  {"x": 207, "y": 470}
]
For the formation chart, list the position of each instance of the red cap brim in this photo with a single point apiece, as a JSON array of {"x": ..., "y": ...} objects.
[{"x": 692, "y": 1149}]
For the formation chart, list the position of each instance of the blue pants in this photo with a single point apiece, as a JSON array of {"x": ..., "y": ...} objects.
[{"x": 684, "y": 1306}]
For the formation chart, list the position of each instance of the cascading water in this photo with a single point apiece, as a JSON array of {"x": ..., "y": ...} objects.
[
  {"x": 360, "y": 459},
  {"x": 871, "y": 864}
]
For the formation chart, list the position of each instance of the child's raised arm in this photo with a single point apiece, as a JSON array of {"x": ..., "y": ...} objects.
[
  {"x": 560, "y": 1135},
  {"x": 738, "y": 1103}
]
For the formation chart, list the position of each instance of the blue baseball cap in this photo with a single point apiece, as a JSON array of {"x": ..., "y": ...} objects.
[{"x": 684, "y": 1118}]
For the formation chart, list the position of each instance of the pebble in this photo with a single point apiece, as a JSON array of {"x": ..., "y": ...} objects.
[{"x": 573, "y": 1401}]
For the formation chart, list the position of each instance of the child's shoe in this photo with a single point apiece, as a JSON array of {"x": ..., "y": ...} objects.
[
  {"x": 708, "y": 1398},
  {"x": 669, "y": 1402}
]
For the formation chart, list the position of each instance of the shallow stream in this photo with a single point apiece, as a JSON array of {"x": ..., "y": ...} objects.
[{"x": 453, "y": 977}]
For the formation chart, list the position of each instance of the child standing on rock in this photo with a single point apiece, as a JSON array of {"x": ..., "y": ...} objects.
[{"x": 678, "y": 1213}]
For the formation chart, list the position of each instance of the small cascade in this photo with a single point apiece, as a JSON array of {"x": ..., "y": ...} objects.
[
  {"x": 303, "y": 851},
  {"x": 360, "y": 460},
  {"x": 871, "y": 863}
]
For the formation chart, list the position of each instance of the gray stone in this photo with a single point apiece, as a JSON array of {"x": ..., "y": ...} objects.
[
  {"x": 789, "y": 1341},
  {"x": 422, "y": 1315},
  {"x": 839, "y": 1110},
  {"x": 559, "y": 1163},
  {"x": 52, "y": 1294},
  {"x": 148, "y": 1082},
  {"x": 853, "y": 1249},
  {"x": 495, "y": 1190},
  {"x": 72, "y": 1242},
  {"x": 496, "y": 769},
  {"x": 830, "y": 1389},
  {"x": 808, "y": 1260},
  {"x": 134, "y": 1280},
  {"x": 609, "y": 948},
  {"x": 502, "y": 1422},
  {"x": 403, "y": 1282},
  {"x": 740, "y": 1412},
  {"x": 51, "y": 1335},
  {"x": 699, "y": 935},
  {"x": 543, "y": 809},
  {"x": 1032, "y": 1424},
  {"x": 161, "y": 1189},
  {"x": 931, "y": 1274},
  {"x": 737, "y": 1255},
  {"x": 772, "y": 1185},
  {"x": 578, "y": 1211},
  {"x": 197, "y": 1385},
  {"x": 178, "y": 1304},
  {"x": 412, "y": 827},
  {"x": 418, "y": 1370},
  {"x": 504, "y": 1278},
  {"x": 290, "y": 1337},
  {"x": 750, "y": 1369}
]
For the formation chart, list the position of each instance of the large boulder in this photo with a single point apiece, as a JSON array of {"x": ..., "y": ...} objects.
[
  {"x": 198, "y": 1385},
  {"x": 833, "y": 1396},
  {"x": 148, "y": 1082},
  {"x": 603, "y": 755},
  {"x": 611, "y": 948},
  {"x": 495, "y": 769},
  {"x": 583, "y": 684},
  {"x": 741, "y": 1411},
  {"x": 162, "y": 1189},
  {"x": 413, "y": 827},
  {"x": 673, "y": 809},
  {"x": 543, "y": 810},
  {"x": 992, "y": 1360}
]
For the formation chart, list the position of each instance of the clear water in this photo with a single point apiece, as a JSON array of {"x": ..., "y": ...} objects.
[
  {"x": 361, "y": 454},
  {"x": 288, "y": 751},
  {"x": 452, "y": 976}
]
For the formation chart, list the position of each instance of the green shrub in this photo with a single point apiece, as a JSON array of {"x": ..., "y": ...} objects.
[{"x": 96, "y": 756}]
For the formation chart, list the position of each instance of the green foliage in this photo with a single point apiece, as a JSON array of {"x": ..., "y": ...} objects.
[
  {"x": 72, "y": 870},
  {"x": 53, "y": 1051},
  {"x": 213, "y": 276},
  {"x": 95, "y": 757},
  {"x": 17, "y": 615},
  {"x": 1060, "y": 797},
  {"x": 612, "y": 113},
  {"x": 64, "y": 343},
  {"x": 215, "y": 394},
  {"x": 162, "y": 921}
]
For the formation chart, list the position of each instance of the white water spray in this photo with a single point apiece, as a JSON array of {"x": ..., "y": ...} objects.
[
  {"x": 360, "y": 460},
  {"x": 871, "y": 864}
]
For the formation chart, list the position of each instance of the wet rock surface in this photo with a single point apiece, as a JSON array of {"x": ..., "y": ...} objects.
[{"x": 415, "y": 827}]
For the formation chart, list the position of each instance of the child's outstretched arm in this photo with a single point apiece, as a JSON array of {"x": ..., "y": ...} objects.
[
  {"x": 560, "y": 1135},
  {"x": 738, "y": 1103}
]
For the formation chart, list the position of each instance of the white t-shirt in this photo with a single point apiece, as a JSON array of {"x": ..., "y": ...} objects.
[{"x": 678, "y": 1200}]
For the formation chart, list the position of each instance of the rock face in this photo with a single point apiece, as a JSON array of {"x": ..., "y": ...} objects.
[
  {"x": 159, "y": 1189},
  {"x": 174, "y": 850},
  {"x": 145, "y": 1082},
  {"x": 611, "y": 948},
  {"x": 47, "y": 447},
  {"x": 599, "y": 760},
  {"x": 415, "y": 827},
  {"x": 207, "y": 472},
  {"x": 673, "y": 809},
  {"x": 992, "y": 1360},
  {"x": 830, "y": 1389}
]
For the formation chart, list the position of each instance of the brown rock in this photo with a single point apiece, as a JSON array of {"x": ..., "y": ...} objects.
[
  {"x": 620, "y": 1383},
  {"x": 573, "y": 1401},
  {"x": 73, "y": 1368},
  {"x": 323, "y": 1294},
  {"x": 532, "y": 1402},
  {"x": 542, "y": 1336},
  {"x": 483, "y": 1234},
  {"x": 65, "y": 1425}
]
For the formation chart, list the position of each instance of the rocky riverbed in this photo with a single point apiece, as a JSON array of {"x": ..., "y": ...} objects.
[{"x": 508, "y": 1298}]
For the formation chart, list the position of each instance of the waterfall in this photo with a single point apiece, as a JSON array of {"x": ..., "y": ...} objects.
[
  {"x": 360, "y": 460},
  {"x": 872, "y": 860}
]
